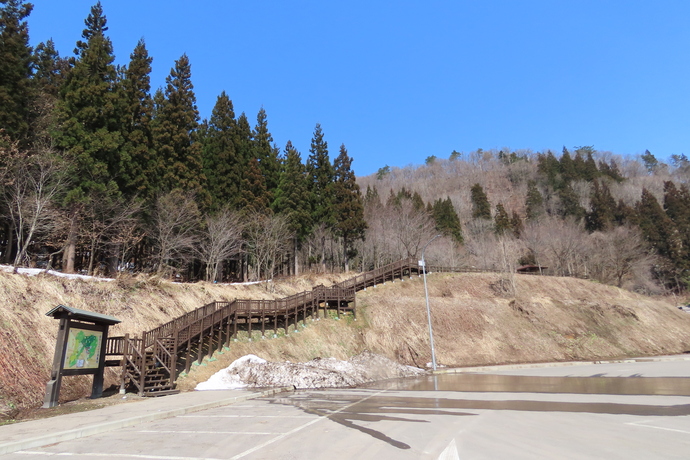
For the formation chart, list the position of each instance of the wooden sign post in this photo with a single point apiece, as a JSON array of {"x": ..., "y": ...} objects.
[{"x": 79, "y": 350}]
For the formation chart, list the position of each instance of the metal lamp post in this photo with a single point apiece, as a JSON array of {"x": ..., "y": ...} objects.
[{"x": 428, "y": 310}]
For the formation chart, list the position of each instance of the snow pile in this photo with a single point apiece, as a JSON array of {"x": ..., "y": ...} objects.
[
  {"x": 252, "y": 371},
  {"x": 38, "y": 271}
]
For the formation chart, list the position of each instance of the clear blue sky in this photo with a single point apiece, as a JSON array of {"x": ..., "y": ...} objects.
[{"x": 398, "y": 81}]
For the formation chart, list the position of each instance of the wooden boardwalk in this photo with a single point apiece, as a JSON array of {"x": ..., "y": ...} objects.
[{"x": 150, "y": 363}]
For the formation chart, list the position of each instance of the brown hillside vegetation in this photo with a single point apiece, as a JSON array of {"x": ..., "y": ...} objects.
[{"x": 548, "y": 319}]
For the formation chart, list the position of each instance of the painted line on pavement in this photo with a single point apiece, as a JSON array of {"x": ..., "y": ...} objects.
[{"x": 301, "y": 427}]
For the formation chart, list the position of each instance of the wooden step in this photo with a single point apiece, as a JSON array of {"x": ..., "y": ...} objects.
[{"x": 155, "y": 394}]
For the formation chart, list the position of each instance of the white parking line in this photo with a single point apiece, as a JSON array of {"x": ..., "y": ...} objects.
[
  {"x": 205, "y": 432},
  {"x": 103, "y": 455},
  {"x": 643, "y": 423},
  {"x": 301, "y": 427},
  {"x": 244, "y": 416}
]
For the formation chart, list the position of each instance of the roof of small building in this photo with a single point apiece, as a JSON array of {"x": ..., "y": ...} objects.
[{"x": 81, "y": 315}]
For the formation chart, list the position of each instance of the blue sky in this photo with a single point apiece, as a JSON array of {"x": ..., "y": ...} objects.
[{"x": 398, "y": 81}]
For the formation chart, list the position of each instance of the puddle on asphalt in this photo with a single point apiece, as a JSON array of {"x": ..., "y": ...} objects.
[
  {"x": 667, "y": 386},
  {"x": 349, "y": 409}
]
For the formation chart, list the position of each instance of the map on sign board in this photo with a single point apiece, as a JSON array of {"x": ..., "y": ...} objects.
[{"x": 83, "y": 349}]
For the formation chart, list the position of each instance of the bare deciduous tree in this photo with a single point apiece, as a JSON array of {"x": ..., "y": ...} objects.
[
  {"x": 174, "y": 228},
  {"x": 267, "y": 237},
  {"x": 619, "y": 253},
  {"x": 220, "y": 240},
  {"x": 31, "y": 185},
  {"x": 108, "y": 225}
]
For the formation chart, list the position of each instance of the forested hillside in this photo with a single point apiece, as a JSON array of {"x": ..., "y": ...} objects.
[
  {"x": 584, "y": 213},
  {"x": 100, "y": 173}
]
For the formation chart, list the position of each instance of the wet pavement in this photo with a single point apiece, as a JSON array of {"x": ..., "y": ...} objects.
[{"x": 627, "y": 410}]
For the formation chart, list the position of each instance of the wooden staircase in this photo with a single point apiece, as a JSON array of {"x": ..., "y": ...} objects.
[{"x": 150, "y": 363}]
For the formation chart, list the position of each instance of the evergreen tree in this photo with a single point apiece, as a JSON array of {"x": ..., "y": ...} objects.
[
  {"x": 517, "y": 225},
  {"x": 223, "y": 166},
  {"x": 661, "y": 233},
  {"x": 534, "y": 203},
  {"x": 447, "y": 220},
  {"x": 677, "y": 208},
  {"x": 175, "y": 134},
  {"x": 292, "y": 194},
  {"x": 50, "y": 72},
  {"x": 567, "y": 167},
  {"x": 320, "y": 174},
  {"x": 89, "y": 110},
  {"x": 254, "y": 196},
  {"x": 650, "y": 161},
  {"x": 348, "y": 208},
  {"x": 624, "y": 214},
  {"x": 481, "y": 209},
  {"x": 602, "y": 208},
  {"x": 372, "y": 198},
  {"x": 501, "y": 220},
  {"x": 89, "y": 116},
  {"x": 139, "y": 172},
  {"x": 549, "y": 167},
  {"x": 570, "y": 203},
  {"x": 591, "y": 171},
  {"x": 265, "y": 152},
  {"x": 16, "y": 68},
  {"x": 611, "y": 170},
  {"x": 50, "y": 68}
]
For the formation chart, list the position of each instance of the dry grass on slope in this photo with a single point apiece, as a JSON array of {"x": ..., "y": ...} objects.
[
  {"x": 27, "y": 336},
  {"x": 549, "y": 319}
]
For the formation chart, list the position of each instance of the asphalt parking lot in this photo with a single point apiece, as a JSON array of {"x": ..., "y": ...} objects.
[{"x": 628, "y": 410}]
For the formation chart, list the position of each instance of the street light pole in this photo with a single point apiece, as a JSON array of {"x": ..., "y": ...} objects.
[{"x": 428, "y": 310}]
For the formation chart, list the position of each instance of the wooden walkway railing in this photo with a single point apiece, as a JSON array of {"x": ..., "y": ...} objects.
[{"x": 150, "y": 363}]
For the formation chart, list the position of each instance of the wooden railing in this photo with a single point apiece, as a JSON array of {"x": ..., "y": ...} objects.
[{"x": 164, "y": 346}]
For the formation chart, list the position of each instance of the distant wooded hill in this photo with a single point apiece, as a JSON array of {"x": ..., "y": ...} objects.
[{"x": 587, "y": 213}]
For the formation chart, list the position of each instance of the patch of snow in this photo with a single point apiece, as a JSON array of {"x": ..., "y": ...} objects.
[
  {"x": 252, "y": 371},
  {"x": 38, "y": 271}
]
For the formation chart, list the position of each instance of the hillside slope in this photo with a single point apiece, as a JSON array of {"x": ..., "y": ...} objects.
[{"x": 548, "y": 319}]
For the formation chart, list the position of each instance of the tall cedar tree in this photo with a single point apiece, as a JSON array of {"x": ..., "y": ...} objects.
[
  {"x": 292, "y": 195},
  {"x": 602, "y": 212},
  {"x": 534, "y": 202},
  {"x": 89, "y": 110},
  {"x": 659, "y": 230},
  {"x": 348, "y": 208},
  {"x": 242, "y": 140},
  {"x": 175, "y": 134},
  {"x": 89, "y": 124},
  {"x": 50, "y": 72},
  {"x": 570, "y": 204},
  {"x": 677, "y": 207},
  {"x": 222, "y": 165},
  {"x": 501, "y": 220},
  {"x": 254, "y": 196},
  {"x": 265, "y": 152},
  {"x": 139, "y": 172},
  {"x": 481, "y": 208},
  {"x": 567, "y": 167},
  {"x": 320, "y": 174},
  {"x": 548, "y": 166},
  {"x": 16, "y": 68},
  {"x": 447, "y": 220}
]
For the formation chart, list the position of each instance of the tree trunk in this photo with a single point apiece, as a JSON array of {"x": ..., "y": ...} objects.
[
  {"x": 345, "y": 255},
  {"x": 70, "y": 246},
  {"x": 294, "y": 254},
  {"x": 10, "y": 242}
]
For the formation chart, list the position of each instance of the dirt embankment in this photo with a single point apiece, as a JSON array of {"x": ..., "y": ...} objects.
[{"x": 548, "y": 319}]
